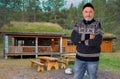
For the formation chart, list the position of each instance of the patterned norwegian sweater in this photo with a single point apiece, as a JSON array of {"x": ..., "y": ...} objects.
[{"x": 87, "y": 49}]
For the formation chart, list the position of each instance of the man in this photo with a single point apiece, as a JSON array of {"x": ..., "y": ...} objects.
[{"x": 87, "y": 36}]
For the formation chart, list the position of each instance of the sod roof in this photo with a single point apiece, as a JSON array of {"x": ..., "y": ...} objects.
[{"x": 42, "y": 28}]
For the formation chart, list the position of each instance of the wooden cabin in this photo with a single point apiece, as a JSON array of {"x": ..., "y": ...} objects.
[
  {"x": 18, "y": 43},
  {"x": 22, "y": 43}
]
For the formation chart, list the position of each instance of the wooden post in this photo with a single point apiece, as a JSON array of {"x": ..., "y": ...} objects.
[
  {"x": 36, "y": 47},
  {"x": 13, "y": 41},
  {"x": 60, "y": 46},
  {"x": 6, "y": 46}
]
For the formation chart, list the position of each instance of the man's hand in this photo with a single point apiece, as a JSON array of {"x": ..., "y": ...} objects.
[{"x": 92, "y": 36}]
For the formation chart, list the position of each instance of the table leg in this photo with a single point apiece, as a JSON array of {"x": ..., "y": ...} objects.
[
  {"x": 56, "y": 65},
  {"x": 52, "y": 64}
]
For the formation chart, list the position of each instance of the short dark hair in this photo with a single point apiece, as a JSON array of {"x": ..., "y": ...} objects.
[{"x": 88, "y": 5}]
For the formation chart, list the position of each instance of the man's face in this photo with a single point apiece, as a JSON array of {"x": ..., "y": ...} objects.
[{"x": 88, "y": 13}]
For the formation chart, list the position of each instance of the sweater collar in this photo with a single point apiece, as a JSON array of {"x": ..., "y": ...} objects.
[{"x": 88, "y": 22}]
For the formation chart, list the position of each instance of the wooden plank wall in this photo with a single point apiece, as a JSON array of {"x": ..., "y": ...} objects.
[{"x": 106, "y": 46}]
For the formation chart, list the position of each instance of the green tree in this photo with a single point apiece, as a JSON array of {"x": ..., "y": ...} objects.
[
  {"x": 117, "y": 10},
  {"x": 53, "y": 6},
  {"x": 4, "y": 9},
  {"x": 100, "y": 9}
]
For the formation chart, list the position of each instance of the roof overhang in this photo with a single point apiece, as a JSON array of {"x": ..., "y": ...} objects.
[{"x": 50, "y": 34}]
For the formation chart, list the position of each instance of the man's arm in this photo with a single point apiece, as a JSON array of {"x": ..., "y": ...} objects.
[
  {"x": 75, "y": 37},
  {"x": 96, "y": 40}
]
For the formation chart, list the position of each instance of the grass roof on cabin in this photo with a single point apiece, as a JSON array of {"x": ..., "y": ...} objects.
[
  {"x": 109, "y": 36},
  {"x": 42, "y": 27},
  {"x": 32, "y": 27}
]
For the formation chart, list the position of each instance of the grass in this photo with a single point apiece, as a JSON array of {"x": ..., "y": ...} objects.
[
  {"x": 14, "y": 63},
  {"x": 110, "y": 62}
]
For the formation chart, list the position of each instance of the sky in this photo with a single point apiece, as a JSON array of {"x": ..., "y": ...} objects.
[
  {"x": 75, "y": 3},
  {"x": 69, "y": 2}
]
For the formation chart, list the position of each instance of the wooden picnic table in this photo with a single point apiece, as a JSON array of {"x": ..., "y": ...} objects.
[{"x": 49, "y": 62}]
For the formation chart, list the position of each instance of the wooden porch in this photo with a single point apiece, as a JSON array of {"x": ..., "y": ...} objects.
[
  {"x": 16, "y": 44},
  {"x": 30, "y": 50}
]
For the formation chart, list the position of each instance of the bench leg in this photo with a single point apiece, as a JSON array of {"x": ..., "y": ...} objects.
[
  {"x": 63, "y": 65},
  {"x": 32, "y": 64},
  {"x": 40, "y": 68}
]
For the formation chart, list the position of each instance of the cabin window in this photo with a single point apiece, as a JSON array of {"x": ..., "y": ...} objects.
[
  {"x": 69, "y": 43},
  {"x": 20, "y": 42},
  {"x": 31, "y": 42},
  {"x": 44, "y": 42},
  {"x": 24, "y": 41}
]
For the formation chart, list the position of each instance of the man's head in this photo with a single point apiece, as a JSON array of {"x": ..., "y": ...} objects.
[{"x": 88, "y": 11}]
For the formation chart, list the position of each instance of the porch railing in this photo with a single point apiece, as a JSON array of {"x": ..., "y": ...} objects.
[{"x": 28, "y": 49}]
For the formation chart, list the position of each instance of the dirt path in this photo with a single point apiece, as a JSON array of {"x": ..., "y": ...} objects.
[{"x": 28, "y": 73}]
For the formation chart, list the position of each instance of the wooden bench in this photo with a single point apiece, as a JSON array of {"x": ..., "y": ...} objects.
[{"x": 40, "y": 65}]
